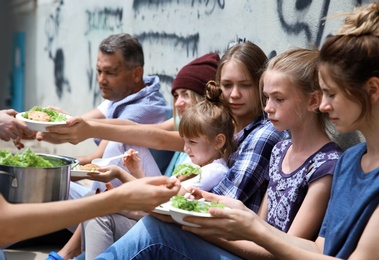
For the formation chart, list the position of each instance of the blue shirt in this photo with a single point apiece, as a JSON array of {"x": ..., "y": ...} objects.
[
  {"x": 148, "y": 106},
  {"x": 245, "y": 179},
  {"x": 354, "y": 197}
]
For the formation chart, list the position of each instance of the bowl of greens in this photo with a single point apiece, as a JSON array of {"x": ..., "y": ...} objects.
[
  {"x": 29, "y": 177},
  {"x": 182, "y": 207},
  {"x": 38, "y": 118}
]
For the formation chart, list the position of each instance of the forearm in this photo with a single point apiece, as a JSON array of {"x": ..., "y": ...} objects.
[
  {"x": 21, "y": 221},
  {"x": 242, "y": 248},
  {"x": 115, "y": 121},
  {"x": 278, "y": 244},
  {"x": 124, "y": 176},
  {"x": 166, "y": 125},
  {"x": 140, "y": 135},
  {"x": 98, "y": 153}
]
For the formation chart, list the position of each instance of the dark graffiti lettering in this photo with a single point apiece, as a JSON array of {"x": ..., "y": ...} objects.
[
  {"x": 107, "y": 19},
  {"x": 295, "y": 28},
  {"x": 211, "y": 5},
  {"x": 189, "y": 43},
  {"x": 60, "y": 79},
  {"x": 52, "y": 26},
  {"x": 92, "y": 81}
]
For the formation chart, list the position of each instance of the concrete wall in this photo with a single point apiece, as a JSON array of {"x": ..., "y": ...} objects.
[{"x": 63, "y": 37}]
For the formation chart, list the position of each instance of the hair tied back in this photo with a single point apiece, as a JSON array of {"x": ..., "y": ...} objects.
[
  {"x": 213, "y": 100},
  {"x": 212, "y": 92}
]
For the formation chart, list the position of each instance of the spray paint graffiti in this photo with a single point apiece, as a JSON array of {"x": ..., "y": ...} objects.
[
  {"x": 92, "y": 81},
  {"x": 299, "y": 19},
  {"x": 298, "y": 27},
  {"x": 189, "y": 43},
  {"x": 210, "y": 5},
  {"x": 106, "y": 19},
  {"x": 52, "y": 30}
]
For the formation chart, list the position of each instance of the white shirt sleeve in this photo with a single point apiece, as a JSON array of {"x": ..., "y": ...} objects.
[
  {"x": 211, "y": 174},
  {"x": 104, "y": 106}
]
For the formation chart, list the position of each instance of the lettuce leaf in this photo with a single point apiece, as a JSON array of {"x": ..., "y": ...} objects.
[
  {"x": 55, "y": 116},
  {"x": 186, "y": 169},
  {"x": 25, "y": 159},
  {"x": 180, "y": 202}
]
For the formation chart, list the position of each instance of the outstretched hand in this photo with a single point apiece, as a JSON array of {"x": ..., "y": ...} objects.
[
  {"x": 75, "y": 131},
  {"x": 146, "y": 193},
  {"x": 12, "y": 128}
]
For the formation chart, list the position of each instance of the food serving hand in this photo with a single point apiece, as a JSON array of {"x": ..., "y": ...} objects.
[
  {"x": 146, "y": 193},
  {"x": 74, "y": 131}
]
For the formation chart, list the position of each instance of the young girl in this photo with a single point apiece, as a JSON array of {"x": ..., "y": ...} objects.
[
  {"x": 349, "y": 79},
  {"x": 301, "y": 168},
  {"x": 207, "y": 130}
]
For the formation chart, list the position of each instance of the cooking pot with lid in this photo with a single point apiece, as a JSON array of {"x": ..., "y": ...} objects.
[{"x": 34, "y": 185}]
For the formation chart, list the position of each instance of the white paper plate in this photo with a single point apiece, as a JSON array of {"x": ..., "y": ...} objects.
[
  {"x": 163, "y": 209},
  {"x": 81, "y": 173},
  {"x": 38, "y": 125},
  {"x": 179, "y": 214}
]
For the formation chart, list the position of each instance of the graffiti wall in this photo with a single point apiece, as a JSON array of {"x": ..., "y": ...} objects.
[{"x": 172, "y": 32}]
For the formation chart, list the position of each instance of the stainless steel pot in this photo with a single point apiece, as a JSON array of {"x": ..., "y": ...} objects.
[{"x": 31, "y": 185}]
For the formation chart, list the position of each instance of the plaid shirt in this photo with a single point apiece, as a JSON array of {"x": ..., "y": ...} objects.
[{"x": 246, "y": 180}]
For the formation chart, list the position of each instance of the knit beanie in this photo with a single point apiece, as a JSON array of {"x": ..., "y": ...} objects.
[{"x": 197, "y": 73}]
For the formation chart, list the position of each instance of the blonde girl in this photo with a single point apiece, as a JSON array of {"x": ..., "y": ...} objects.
[{"x": 301, "y": 168}]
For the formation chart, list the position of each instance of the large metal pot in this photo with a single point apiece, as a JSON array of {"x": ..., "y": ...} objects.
[{"x": 30, "y": 185}]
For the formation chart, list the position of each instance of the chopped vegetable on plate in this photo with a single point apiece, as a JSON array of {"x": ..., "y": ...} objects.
[
  {"x": 44, "y": 114},
  {"x": 180, "y": 202},
  {"x": 186, "y": 169}
]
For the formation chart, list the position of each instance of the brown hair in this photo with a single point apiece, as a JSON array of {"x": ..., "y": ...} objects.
[
  {"x": 252, "y": 59},
  {"x": 210, "y": 117},
  {"x": 352, "y": 55}
]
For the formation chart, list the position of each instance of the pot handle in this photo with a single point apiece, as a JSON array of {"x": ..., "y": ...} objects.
[
  {"x": 8, "y": 173},
  {"x": 14, "y": 181}
]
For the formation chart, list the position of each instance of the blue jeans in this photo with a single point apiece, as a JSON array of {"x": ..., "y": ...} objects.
[{"x": 151, "y": 238}]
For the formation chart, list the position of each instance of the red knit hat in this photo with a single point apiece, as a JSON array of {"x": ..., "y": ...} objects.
[{"x": 197, "y": 73}]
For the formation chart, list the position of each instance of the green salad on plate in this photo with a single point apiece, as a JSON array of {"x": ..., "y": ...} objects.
[
  {"x": 55, "y": 116},
  {"x": 180, "y": 202}
]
